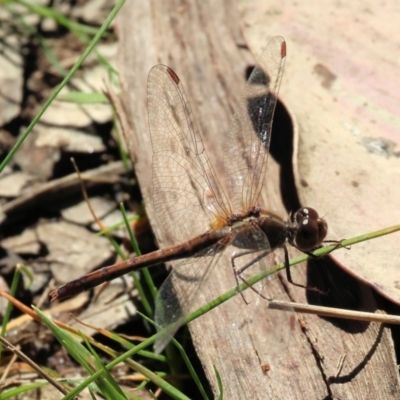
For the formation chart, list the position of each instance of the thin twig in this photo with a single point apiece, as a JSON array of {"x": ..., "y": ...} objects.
[
  {"x": 36, "y": 367},
  {"x": 334, "y": 312}
]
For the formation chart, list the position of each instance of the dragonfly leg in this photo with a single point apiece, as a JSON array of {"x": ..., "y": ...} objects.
[
  {"x": 338, "y": 244},
  {"x": 289, "y": 275},
  {"x": 238, "y": 272}
]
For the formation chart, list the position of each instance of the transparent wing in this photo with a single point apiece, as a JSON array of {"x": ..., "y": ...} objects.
[
  {"x": 270, "y": 330},
  {"x": 175, "y": 298},
  {"x": 186, "y": 192},
  {"x": 247, "y": 145},
  {"x": 251, "y": 254}
]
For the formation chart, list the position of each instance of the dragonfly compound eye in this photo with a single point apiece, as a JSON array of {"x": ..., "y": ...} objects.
[{"x": 311, "y": 229}]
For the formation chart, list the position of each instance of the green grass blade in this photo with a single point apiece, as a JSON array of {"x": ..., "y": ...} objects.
[
  {"x": 85, "y": 358},
  {"x": 47, "y": 12},
  {"x": 13, "y": 290},
  {"x": 21, "y": 390},
  {"x": 82, "y": 58},
  {"x": 134, "y": 275},
  {"x": 219, "y": 381}
]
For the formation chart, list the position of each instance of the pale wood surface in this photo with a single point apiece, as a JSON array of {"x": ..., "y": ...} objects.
[{"x": 203, "y": 42}]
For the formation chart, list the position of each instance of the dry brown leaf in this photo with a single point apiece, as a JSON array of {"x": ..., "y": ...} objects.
[
  {"x": 340, "y": 83},
  {"x": 73, "y": 250},
  {"x": 79, "y": 213}
]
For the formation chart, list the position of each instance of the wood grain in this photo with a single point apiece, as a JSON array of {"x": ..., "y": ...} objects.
[{"x": 203, "y": 42}]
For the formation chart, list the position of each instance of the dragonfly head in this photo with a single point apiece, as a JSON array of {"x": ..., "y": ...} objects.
[{"x": 310, "y": 229}]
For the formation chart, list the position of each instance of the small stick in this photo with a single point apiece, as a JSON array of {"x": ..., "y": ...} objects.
[{"x": 334, "y": 312}]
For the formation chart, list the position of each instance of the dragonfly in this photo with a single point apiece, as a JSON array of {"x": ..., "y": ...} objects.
[{"x": 203, "y": 216}]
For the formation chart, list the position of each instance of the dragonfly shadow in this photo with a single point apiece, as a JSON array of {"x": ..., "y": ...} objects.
[
  {"x": 342, "y": 291},
  {"x": 281, "y": 149},
  {"x": 358, "y": 368},
  {"x": 281, "y": 145}
]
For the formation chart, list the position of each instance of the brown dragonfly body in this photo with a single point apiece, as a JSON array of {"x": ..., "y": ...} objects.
[{"x": 305, "y": 232}]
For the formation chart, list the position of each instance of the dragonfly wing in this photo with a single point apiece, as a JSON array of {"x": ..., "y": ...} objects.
[
  {"x": 247, "y": 145},
  {"x": 177, "y": 294},
  {"x": 186, "y": 191},
  {"x": 270, "y": 336}
]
